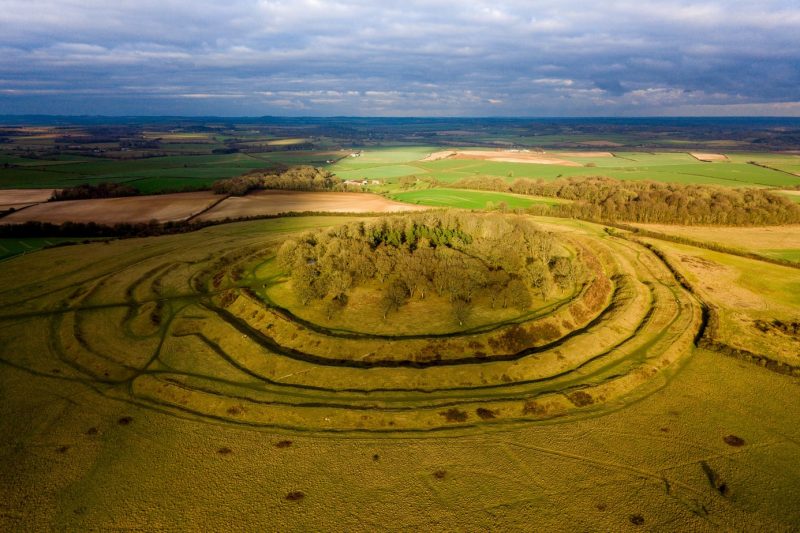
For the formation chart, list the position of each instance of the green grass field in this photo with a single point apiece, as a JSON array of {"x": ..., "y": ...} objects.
[
  {"x": 13, "y": 247},
  {"x": 671, "y": 167},
  {"x": 388, "y": 164},
  {"x": 465, "y": 199}
]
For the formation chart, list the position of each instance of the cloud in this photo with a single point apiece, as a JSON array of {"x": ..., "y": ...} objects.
[{"x": 439, "y": 57}]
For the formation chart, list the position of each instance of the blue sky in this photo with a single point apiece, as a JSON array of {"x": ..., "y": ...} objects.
[{"x": 431, "y": 58}]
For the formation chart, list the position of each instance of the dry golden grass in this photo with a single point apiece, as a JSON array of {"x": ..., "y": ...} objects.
[
  {"x": 755, "y": 238},
  {"x": 287, "y": 444},
  {"x": 744, "y": 293}
]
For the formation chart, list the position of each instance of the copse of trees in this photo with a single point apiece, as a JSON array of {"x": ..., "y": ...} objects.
[
  {"x": 88, "y": 191},
  {"x": 607, "y": 199},
  {"x": 461, "y": 257},
  {"x": 302, "y": 178}
]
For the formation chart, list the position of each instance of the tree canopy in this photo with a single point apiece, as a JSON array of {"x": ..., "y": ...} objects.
[
  {"x": 459, "y": 256},
  {"x": 608, "y": 199},
  {"x": 301, "y": 178}
]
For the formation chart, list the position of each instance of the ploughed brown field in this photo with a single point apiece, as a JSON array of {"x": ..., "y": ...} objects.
[
  {"x": 537, "y": 158},
  {"x": 19, "y": 198},
  {"x": 273, "y": 202},
  {"x": 134, "y": 209},
  {"x": 708, "y": 158}
]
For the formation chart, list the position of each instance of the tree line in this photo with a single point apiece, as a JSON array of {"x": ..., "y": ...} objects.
[
  {"x": 504, "y": 259},
  {"x": 301, "y": 178},
  {"x": 87, "y": 191},
  {"x": 606, "y": 199}
]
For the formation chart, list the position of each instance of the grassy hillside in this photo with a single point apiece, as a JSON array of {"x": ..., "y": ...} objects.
[{"x": 156, "y": 361}]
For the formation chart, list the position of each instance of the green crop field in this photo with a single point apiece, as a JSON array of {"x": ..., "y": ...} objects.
[
  {"x": 669, "y": 167},
  {"x": 178, "y": 165},
  {"x": 468, "y": 199}
]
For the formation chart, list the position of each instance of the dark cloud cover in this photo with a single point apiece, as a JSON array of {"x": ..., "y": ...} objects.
[{"x": 357, "y": 57}]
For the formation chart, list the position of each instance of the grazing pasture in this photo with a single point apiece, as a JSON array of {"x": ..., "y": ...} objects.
[
  {"x": 450, "y": 370},
  {"x": 671, "y": 167},
  {"x": 782, "y": 242},
  {"x": 466, "y": 199},
  {"x": 167, "y": 352}
]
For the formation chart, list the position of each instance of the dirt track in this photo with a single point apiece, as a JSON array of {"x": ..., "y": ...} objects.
[{"x": 274, "y": 202}]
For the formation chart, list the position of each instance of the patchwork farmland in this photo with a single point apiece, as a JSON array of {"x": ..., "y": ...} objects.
[{"x": 446, "y": 355}]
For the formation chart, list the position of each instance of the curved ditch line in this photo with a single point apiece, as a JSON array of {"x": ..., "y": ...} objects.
[
  {"x": 62, "y": 355},
  {"x": 563, "y": 388},
  {"x": 320, "y": 403},
  {"x": 80, "y": 283},
  {"x": 355, "y": 335},
  {"x": 217, "y": 349},
  {"x": 191, "y": 297},
  {"x": 477, "y": 424},
  {"x": 705, "y": 338},
  {"x": 270, "y": 344},
  {"x": 79, "y": 337},
  {"x": 366, "y": 392},
  {"x": 287, "y": 315},
  {"x": 130, "y": 290},
  {"x": 169, "y": 408},
  {"x": 429, "y": 391}
]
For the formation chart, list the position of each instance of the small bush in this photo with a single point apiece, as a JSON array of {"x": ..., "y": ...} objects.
[
  {"x": 455, "y": 415},
  {"x": 485, "y": 414},
  {"x": 733, "y": 440},
  {"x": 581, "y": 399},
  {"x": 295, "y": 496}
]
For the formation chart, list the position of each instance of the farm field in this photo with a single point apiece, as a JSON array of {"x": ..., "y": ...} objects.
[
  {"x": 131, "y": 209},
  {"x": 152, "y": 175},
  {"x": 672, "y": 167},
  {"x": 17, "y": 198},
  {"x": 411, "y": 355},
  {"x": 12, "y": 247},
  {"x": 466, "y": 199},
  {"x": 780, "y": 242},
  {"x": 260, "y": 203},
  {"x": 192, "y": 155},
  {"x": 166, "y": 355}
]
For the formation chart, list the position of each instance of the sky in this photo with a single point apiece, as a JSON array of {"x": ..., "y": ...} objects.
[{"x": 400, "y": 58}]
